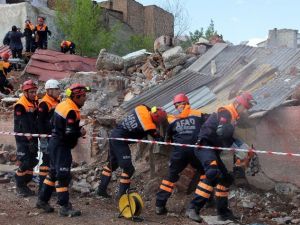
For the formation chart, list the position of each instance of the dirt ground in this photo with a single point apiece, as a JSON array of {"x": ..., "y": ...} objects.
[{"x": 22, "y": 211}]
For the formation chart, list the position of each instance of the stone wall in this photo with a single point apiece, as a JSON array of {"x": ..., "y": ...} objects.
[
  {"x": 282, "y": 38},
  {"x": 162, "y": 22}
]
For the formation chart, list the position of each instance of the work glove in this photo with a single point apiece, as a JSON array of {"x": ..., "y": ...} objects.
[
  {"x": 225, "y": 130},
  {"x": 33, "y": 148},
  {"x": 43, "y": 145}
]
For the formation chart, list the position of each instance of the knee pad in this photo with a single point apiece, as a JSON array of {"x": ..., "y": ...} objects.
[
  {"x": 212, "y": 173},
  {"x": 129, "y": 170},
  {"x": 226, "y": 179},
  {"x": 63, "y": 182}
]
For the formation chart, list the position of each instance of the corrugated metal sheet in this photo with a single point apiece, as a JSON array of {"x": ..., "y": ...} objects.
[
  {"x": 264, "y": 72},
  {"x": 47, "y": 64},
  {"x": 5, "y": 48},
  {"x": 186, "y": 81},
  {"x": 162, "y": 94}
]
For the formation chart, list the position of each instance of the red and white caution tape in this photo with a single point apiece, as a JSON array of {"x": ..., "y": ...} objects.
[{"x": 165, "y": 143}]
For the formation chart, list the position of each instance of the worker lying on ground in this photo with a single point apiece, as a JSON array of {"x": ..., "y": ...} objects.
[
  {"x": 217, "y": 131},
  {"x": 65, "y": 134},
  {"x": 45, "y": 113},
  {"x": 66, "y": 46},
  {"x": 138, "y": 124},
  {"x": 5, "y": 67},
  {"x": 183, "y": 128}
]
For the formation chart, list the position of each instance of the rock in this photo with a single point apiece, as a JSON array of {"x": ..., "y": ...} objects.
[
  {"x": 174, "y": 57},
  {"x": 7, "y": 168},
  {"x": 135, "y": 58},
  {"x": 128, "y": 96},
  {"x": 108, "y": 61},
  {"x": 82, "y": 186},
  {"x": 213, "y": 220},
  {"x": 295, "y": 221},
  {"x": 248, "y": 204},
  {"x": 163, "y": 43},
  {"x": 283, "y": 220},
  {"x": 286, "y": 188}
]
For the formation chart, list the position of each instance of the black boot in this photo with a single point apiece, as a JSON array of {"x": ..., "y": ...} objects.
[
  {"x": 227, "y": 215},
  {"x": 193, "y": 214},
  {"x": 24, "y": 191},
  {"x": 44, "y": 206},
  {"x": 102, "y": 193},
  {"x": 161, "y": 210},
  {"x": 67, "y": 210}
]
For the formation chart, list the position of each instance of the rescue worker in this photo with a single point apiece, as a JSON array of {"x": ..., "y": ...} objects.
[
  {"x": 183, "y": 128},
  {"x": 15, "y": 44},
  {"x": 41, "y": 34},
  {"x": 29, "y": 36},
  {"x": 5, "y": 67},
  {"x": 25, "y": 121},
  {"x": 217, "y": 131},
  {"x": 66, "y": 46},
  {"x": 65, "y": 134},
  {"x": 45, "y": 113},
  {"x": 138, "y": 124}
]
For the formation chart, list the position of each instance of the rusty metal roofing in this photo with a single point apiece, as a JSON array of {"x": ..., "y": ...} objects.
[
  {"x": 5, "y": 48},
  {"x": 47, "y": 64},
  {"x": 186, "y": 81},
  {"x": 270, "y": 74},
  {"x": 162, "y": 94}
]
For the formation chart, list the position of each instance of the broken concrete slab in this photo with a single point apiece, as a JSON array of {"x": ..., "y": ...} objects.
[
  {"x": 7, "y": 168},
  {"x": 163, "y": 43},
  {"x": 109, "y": 61},
  {"x": 135, "y": 58},
  {"x": 174, "y": 57}
]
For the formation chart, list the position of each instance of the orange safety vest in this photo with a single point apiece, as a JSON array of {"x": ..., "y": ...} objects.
[
  {"x": 41, "y": 27},
  {"x": 30, "y": 26},
  {"x": 4, "y": 66},
  {"x": 231, "y": 109},
  {"x": 51, "y": 102},
  {"x": 187, "y": 111},
  {"x": 29, "y": 106},
  {"x": 145, "y": 118},
  {"x": 65, "y": 107},
  {"x": 66, "y": 43}
]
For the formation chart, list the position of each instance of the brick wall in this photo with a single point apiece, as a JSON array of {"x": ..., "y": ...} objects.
[
  {"x": 136, "y": 16},
  {"x": 158, "y": 22}
]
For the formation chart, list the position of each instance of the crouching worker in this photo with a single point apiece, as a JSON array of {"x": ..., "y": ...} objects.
[
  {"x": 25, "y": 120},
  {"x": 217, "y": 131},
  {"x": 137, "y": 125},
  {"x": 5, "y": 67},
  {"x": 183, "y": 128},
  {"x": 66, "y": 46},
  {"x": 65, "y": 134}
]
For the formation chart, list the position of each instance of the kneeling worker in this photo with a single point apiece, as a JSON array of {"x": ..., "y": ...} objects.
[{"x": 138, "y": 124}]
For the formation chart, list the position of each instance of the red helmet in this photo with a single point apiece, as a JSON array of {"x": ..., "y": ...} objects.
[
  {"x": 29, "y": 84},
  {"x": 180, "y": 98},
  {"x": 77, "y": 89},
  {"x": 245, "y": 99},
  {"x": 5, "y": 56},
  {"x": 158, "y": 115}
]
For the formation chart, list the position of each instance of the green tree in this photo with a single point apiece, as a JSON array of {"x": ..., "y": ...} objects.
[
  {"x": 137, "y": 42},
  {"x": 210, "y": 31},
  {"x": 194, "y": 36},
  {"x": 80, "y": 21}
]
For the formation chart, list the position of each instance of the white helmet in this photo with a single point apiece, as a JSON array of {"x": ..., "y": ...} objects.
[{"x": 52, "y": 84}]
